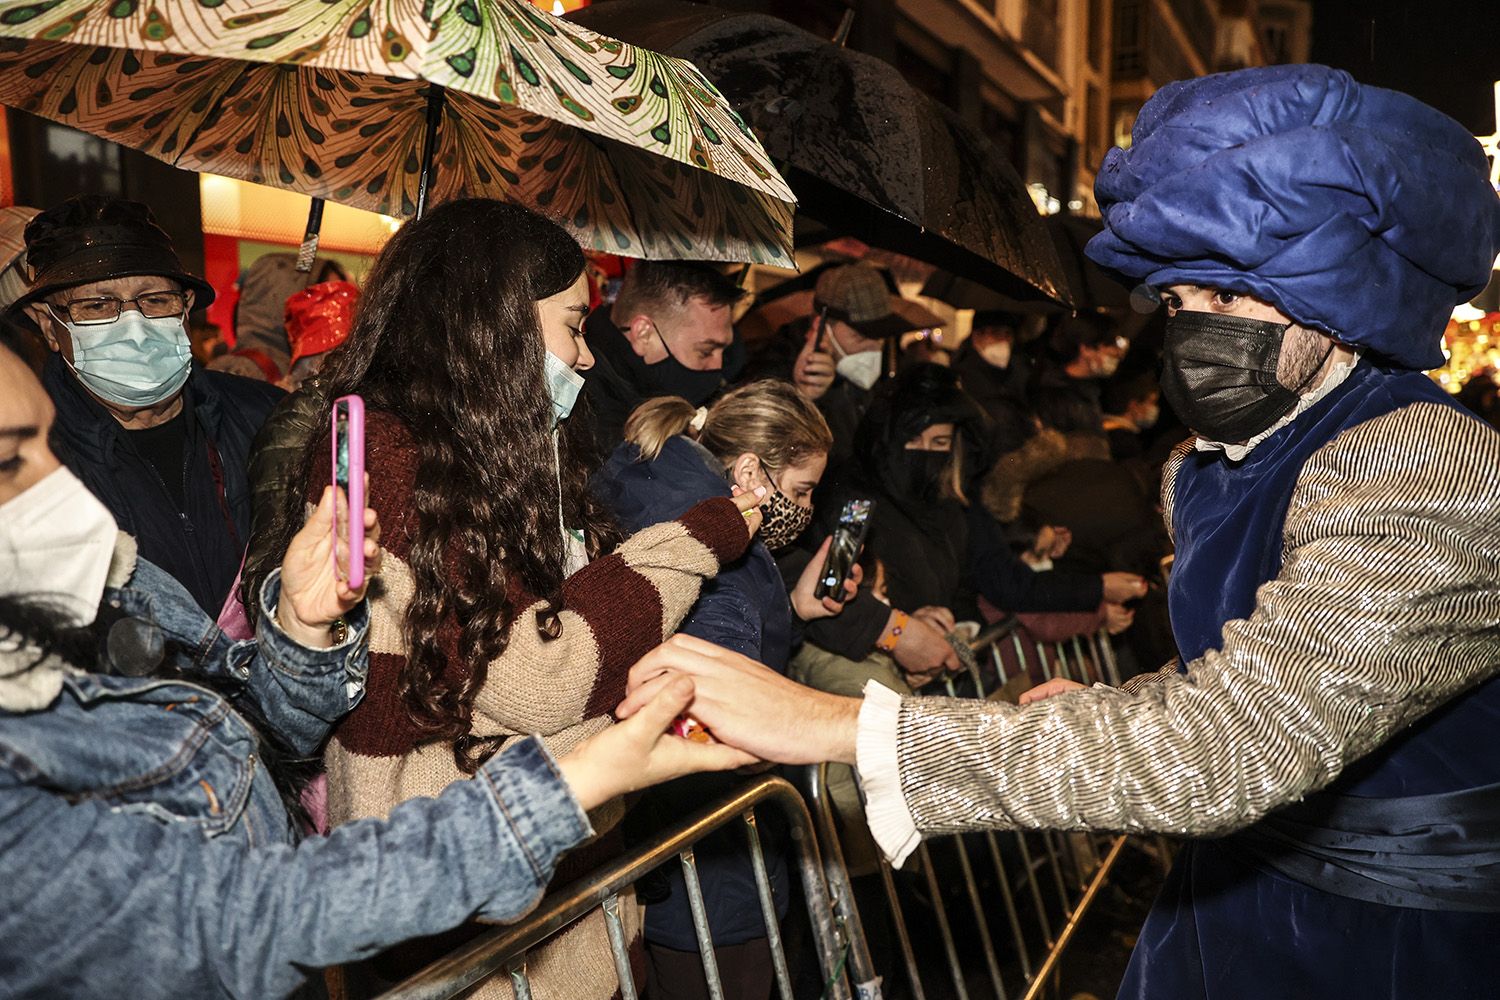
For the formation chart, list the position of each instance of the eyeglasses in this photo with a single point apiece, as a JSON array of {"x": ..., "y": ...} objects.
[{"x": 106, "y": 308}]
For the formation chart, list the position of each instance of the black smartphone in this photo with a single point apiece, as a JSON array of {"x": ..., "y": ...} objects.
[
  {"x": 843, "y": 553},
  {"x": 820, "y": 339}
]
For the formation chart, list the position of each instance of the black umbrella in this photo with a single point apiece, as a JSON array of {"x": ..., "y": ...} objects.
[
  {"x": 1093, "y": 290},
  {"x": 866, "y": 154}
]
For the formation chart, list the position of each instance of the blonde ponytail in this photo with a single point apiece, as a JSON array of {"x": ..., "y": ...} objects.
[{"x": 656, "y": 421}]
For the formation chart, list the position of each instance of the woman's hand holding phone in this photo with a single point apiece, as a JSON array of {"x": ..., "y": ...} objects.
[
  {"x": 314, "y": 593},
  {"x": 805, "y": 602}
]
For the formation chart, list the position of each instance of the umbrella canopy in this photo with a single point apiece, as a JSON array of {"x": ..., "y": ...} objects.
[
  {"x": 867, "y": 154},
  {"x": 1093, "y": 290},
  {"x": 635, "y": 152}
]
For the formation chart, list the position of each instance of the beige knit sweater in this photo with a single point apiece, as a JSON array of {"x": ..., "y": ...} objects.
[{"x": 615, "y": 609}]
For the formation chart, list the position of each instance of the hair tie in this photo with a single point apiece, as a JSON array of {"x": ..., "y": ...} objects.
[{"x": 700, "y": 417}]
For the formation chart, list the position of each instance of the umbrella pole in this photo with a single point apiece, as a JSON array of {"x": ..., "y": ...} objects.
[
  {"x": 841, "y": 36},
  {"x": 436, "y": 98},
  {"x": 308, "y": 251}
]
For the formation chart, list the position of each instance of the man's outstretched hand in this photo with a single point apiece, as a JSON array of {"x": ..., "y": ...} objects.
[{"x": 748, "y": 705}]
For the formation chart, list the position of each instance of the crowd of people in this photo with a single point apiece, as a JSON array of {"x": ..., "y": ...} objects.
[{"x": 223, "y": 768}]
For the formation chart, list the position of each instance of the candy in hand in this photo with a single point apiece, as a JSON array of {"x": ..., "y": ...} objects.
[{"x": 690, "y": 728}]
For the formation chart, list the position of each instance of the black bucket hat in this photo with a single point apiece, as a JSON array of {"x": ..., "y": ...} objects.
[{"x": 94, "y": 238}]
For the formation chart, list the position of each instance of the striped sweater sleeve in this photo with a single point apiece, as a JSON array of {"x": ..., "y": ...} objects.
[
  {"x": 615, "y": 610},
  {"x": 1385, "y": 608}
]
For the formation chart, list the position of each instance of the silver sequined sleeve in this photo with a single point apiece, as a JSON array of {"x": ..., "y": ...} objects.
[{"x": 1387, "y": 604}]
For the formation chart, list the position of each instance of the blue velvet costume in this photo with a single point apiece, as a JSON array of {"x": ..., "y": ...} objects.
[
  {"x": 1367, "y": 215},
  {"x": 1227, "y": 518}
]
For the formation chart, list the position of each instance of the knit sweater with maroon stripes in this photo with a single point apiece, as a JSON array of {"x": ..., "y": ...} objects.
[{"x": 615, "y": 610}]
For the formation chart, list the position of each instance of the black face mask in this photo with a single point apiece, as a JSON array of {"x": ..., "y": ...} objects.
[
  {"x": 674, "y": 378},
  {"x": 922, "y": 472},
  {"x": 1219, "y": 374}
]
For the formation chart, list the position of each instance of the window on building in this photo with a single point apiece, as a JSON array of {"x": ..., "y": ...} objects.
[
  {"x": 1039, "y": 30},
  {"x": 1130, "y": 39},
  {"x": 1096, "y": 48}
]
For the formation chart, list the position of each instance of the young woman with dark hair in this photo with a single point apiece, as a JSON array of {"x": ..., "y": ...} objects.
[
  {"x": 503, "y": 610},
  {"x": 144, "y": 765}
]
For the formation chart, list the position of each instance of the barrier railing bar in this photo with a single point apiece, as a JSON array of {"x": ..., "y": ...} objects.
[
  {"x": 768, "y": 908},
  {"x": 518, "y": 980},
  {"x": 902, "y": 936},
  {"x": 499, "y": 949},
  {"x": 1089, "y": 674},
  {"x": 941, "y": 911},
  {"x": 618, "y": 947},
  {"x": 1006, "y": 895},
  {"x": 700, "y": 924},
  {"x": 1111, "y": 665},
  {"x": 985, "y": 941},
  {"x": 861, "y": 963},
  {"x": 1054, "y": 955}
]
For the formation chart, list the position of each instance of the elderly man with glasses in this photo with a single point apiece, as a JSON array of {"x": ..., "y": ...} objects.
[{"x": 161, "y": 442}]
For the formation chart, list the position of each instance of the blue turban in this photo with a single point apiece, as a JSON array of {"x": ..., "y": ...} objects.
[{"x": 1359, "y": 211}]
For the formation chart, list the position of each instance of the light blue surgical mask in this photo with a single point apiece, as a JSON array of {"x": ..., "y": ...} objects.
[
  {"x": 563, "y": 385},
  {"x": 133, "y": 361}
]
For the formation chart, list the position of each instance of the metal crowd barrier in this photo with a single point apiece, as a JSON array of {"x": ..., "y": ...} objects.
[
  {"x": 1037, "y": 885},
  {"x": 505, "y": 948},
  {"x": 1035, "y": 889}
]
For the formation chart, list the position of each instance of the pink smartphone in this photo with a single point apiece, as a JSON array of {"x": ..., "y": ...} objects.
[{"x": 349, "y": 477}]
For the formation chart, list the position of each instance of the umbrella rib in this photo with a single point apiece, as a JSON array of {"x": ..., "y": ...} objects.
[
  {"x": 614, "y": 169},
  {"x": 207, "y": 117}
]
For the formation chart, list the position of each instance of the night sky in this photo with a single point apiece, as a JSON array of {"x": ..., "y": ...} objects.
[{"x": 1445, "y": 52}]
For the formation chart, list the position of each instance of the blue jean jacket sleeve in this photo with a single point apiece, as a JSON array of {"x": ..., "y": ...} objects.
[
  {"x": 97, "y": 898},
  {"x": 301, "y": 692}
]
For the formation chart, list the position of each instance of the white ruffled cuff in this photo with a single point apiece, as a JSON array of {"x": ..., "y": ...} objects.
[{"x": 891, "y": 822}]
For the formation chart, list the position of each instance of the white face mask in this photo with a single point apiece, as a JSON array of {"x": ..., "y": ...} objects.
[
  {"x": 56, "y": 542},
  {"x": 133, "y": 361},
  {"x": 563, "y": 385},
  {"x": 996, "y": 353},
  {"x": 863, "y": 368}
]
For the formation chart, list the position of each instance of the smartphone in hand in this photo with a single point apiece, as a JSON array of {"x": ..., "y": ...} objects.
[
  {"x": 349, "y": 485},
  {"x": 843, "y": 552}
]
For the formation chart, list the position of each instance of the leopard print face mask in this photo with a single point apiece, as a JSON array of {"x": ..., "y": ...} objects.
[{"x": 784, "y": 518}]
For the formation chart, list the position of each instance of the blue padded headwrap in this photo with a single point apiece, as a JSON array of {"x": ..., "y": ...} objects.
[{"x": 1359, "y": 211}]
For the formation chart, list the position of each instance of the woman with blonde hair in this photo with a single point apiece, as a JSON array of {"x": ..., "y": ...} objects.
[{"x": 675, "y": 455}]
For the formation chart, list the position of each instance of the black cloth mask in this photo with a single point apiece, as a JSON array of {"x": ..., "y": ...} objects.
[
  {"x": 674, "y": 378},
  {"x": 1219, "y": 374},
  {"x": 922, "y": 472}
]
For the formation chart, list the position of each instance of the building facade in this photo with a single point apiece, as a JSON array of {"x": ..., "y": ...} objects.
[{"x": 1055, "y": 83}]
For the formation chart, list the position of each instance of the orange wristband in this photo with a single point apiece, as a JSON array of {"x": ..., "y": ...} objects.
[{"x": 892, "y": 634}]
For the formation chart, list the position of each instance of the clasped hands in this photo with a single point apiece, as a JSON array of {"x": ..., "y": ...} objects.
[{"x": 753, "y": 709}]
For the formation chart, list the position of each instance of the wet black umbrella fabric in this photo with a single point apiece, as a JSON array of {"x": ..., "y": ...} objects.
[
  {"x": 1093, "y": 290},
  {"x": 866, "y": 154}
]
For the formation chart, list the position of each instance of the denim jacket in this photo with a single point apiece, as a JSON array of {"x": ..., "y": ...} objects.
[{"x": 146, "y": 850}]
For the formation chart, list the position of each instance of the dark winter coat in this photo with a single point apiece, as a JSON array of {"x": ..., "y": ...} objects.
[
  {"x": 745, "y": 609},
  {"x": 200, "y": 546}
]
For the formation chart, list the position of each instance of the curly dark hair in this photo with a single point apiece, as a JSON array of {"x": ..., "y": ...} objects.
[{"x": 447, "y": 338}]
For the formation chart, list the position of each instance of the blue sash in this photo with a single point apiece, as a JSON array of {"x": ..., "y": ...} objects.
[{"x": 1427, "y": 852}]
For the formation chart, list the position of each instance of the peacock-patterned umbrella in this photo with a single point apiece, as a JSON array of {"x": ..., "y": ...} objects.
[{"x": 635, "y": 152}]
